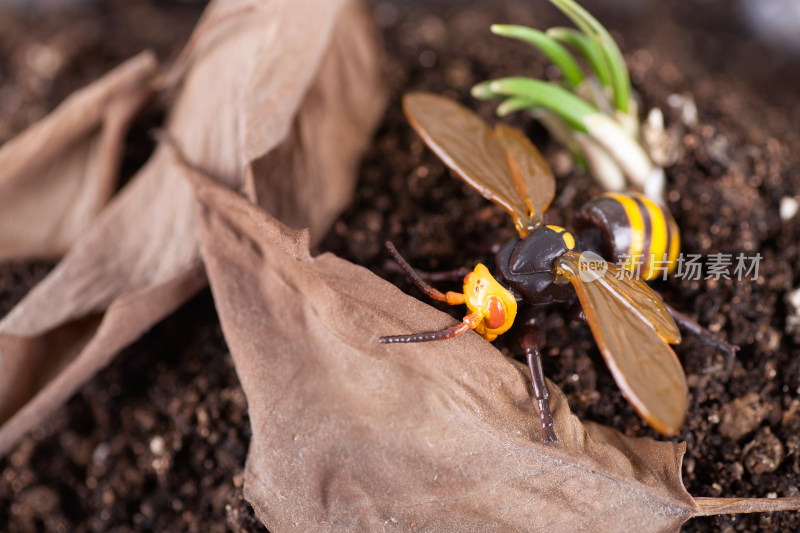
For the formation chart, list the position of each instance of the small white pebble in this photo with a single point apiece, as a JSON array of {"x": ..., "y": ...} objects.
[
  {"x": 685, "y": 104},
  {"x": 100, "y": 453},
  {"x": 789, "y": 207},
  {"x": 46, "y": 61},
  {"x": 793, "y": 299},
  {"x": 157, "y": 445},
  {"x": 655, "y": 119}
]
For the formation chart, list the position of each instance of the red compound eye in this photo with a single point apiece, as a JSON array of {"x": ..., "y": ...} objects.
[{"x": 497, "y": 313}]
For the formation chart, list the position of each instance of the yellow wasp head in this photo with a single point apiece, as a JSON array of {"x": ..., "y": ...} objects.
[{"x": 485, "y": 296}]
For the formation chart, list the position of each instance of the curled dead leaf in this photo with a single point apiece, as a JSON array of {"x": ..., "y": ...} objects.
[
  {"x": 56, "y": 176},
  {"x": 253, "y": 92}
]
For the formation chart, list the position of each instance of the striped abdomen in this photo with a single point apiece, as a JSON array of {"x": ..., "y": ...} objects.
[{"x": 628, "y": 228}]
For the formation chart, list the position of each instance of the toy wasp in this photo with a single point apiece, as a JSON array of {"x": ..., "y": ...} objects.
[{"x": 630, "y": 323}]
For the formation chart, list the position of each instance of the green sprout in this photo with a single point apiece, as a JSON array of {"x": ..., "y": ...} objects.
[{"x": 592, "y": 114}]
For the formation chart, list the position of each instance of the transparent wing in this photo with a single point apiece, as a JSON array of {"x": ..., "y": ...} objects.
[
  {"x": 632, "y": 328},
  {"x": 502, "y": 165}
]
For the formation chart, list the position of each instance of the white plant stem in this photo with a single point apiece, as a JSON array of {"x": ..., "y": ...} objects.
[
  {"x": 626, "y": 151},
  {"x": 601, "y": 165}
]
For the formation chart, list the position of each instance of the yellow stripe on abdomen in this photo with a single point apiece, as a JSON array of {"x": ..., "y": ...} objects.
[
  {"x": 637, "y": 230},
  {"x": 658, "y": 240}
]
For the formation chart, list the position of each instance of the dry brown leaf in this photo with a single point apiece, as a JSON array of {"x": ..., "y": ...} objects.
[
  {"x": 57, "y": 175},
  {"x": 351, "y": 435},
  {"x": 254, "y": 87}
]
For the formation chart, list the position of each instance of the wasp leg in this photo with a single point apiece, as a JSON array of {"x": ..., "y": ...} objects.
[
  {"x": 453, "y": 298},
  {"x": 469, "y": 322},
  {"x": 456, "y": 274},
  {"x": 540, "y": 390},
  {"x": 687, "y": 323}
]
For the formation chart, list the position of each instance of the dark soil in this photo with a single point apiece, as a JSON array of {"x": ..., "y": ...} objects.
[{"x": 158, "y": 440}]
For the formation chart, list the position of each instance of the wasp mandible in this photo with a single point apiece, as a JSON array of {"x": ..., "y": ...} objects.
[{"x": 631, "y": 324}]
